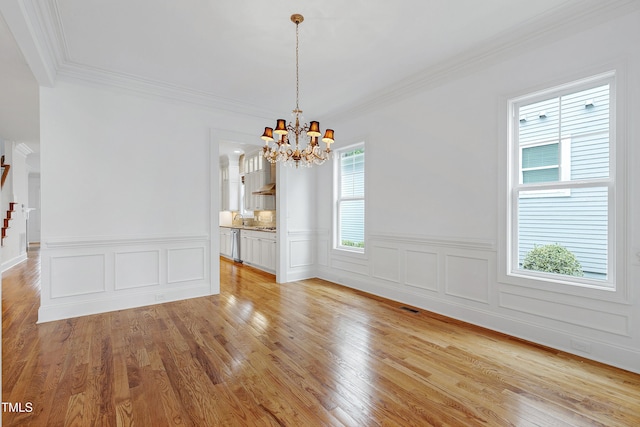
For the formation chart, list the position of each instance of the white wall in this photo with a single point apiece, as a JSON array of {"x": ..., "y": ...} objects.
[
  {"x": 128, "y": 187},
  {"x": 296, "y": 222},
  {"x": 436, "y": 200},
  {"x": 14, "y": 249},
  {"x": 33, "y": 223}
]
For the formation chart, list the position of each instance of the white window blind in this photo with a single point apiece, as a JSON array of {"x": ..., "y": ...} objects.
[{"x": 350, "y": 200}]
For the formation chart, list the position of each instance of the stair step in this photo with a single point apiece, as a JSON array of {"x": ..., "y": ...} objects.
[{"x": 7, "y": 218}]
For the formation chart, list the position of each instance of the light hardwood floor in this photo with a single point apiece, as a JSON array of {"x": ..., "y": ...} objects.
[{"x": 309, "y": 353}]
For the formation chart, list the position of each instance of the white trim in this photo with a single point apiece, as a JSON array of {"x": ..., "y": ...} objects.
[
  {"x": 450, "y": 242},
  {"x": 88, "y": 242},
  {"x": 13, "y": 262}
]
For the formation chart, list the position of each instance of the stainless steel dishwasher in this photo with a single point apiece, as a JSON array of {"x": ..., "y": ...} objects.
[{"x": 235, "y": 245}]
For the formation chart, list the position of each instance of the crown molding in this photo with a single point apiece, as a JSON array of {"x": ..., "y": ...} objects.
[
  {"x": 24, "y": 21},
  {"x": 51, "y": 34},
  {"x": 546, "y": 28},
  {"x": 73, "y": 72},
  {"x": 48, "y": 37}
]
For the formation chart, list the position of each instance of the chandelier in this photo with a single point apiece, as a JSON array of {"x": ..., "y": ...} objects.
[{"x": 282, "y": 150}]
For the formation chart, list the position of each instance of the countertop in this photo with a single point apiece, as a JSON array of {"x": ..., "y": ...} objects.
[{"x": 251, "y": 227}]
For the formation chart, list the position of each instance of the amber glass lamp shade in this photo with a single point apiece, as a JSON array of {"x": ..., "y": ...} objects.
[
  {"x": 328, "y": 136},
  {"x": 314, "y": 129},
  {"x": 281, "y": 127},
  {"x": 267, "y": 135}
]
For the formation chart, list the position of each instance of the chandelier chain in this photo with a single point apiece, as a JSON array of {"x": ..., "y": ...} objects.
[{"x": 297, "y": 70}]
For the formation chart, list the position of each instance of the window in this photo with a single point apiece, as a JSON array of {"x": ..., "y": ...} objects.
[
  {"x": 350, "y": 199},
  {"x": 561, "y": 205}
]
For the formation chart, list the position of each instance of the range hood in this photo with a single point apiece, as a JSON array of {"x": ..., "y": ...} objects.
[
  {"x": 265, "y": 190},
  {"x": 268, "y": 189}
]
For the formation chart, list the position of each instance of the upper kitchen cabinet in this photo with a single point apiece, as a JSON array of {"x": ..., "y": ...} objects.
[
  {"x": 259, "y": 183},
  {"x": 229, "y": 182}
]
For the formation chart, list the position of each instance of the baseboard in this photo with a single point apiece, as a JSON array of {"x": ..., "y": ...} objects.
[
  {"x": 13, "y": 262},
  {"x": 101, "y": 305}
]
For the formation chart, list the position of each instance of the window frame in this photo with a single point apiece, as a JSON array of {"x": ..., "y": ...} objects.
[
  {"x": 338, "y": 199},
  {"x": 515, "y": 186}
]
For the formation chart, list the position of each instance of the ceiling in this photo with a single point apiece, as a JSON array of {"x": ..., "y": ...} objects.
[{"x": 240, "y": 55}]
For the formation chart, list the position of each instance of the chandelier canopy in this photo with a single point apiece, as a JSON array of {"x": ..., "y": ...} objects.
[{"x": 282, "y": 150}]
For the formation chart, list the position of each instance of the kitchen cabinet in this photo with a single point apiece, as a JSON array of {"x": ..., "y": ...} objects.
[
  {"x": 229, "y": 183},
  {"x": 268, "y": 253},
  {"x": 245, "y": 247},
  {"x": 259, "y": 249},
  {"x": 257, "y": 173},
  {"x": 225, "y": 242}
]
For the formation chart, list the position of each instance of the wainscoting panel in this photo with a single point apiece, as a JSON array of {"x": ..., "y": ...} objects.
[
  {"x": 385, "y": 263},
  {"x": 137, "y": 269},
  {"x": 467, "y": 277},
  {"x": 591, "y": 318},
  {"x": 301, "y": 253},
  {"x": 185, "y": 264},
  {"x": 75, "y": 275},
  {"x": 348, "y": 265},
  {"x": 89, "y": 276},
  {"x": 421, "y": 269}
]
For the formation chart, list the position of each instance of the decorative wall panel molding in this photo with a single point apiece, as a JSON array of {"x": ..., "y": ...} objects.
[
  {"x": 91, "y": 276},
  {"x": 421, "y": 269},
  {"x": 301, "y": 253},
  {"x": 467, "y": 277},
  {"x": 186, "y": 264},
  {"x": 385, "y": 263},
  {"x": 350, "y": 266},
  {"x": 572, "y": 314},
  {"x": 75, "y": 275},
  {"x": 137, "y": 269}
]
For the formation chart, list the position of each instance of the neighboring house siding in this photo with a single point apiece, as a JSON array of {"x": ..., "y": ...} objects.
[{"x": 576, "y": 219}]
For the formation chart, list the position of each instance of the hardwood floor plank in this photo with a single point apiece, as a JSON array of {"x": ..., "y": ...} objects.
[{"x": 304, "y": 353}]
